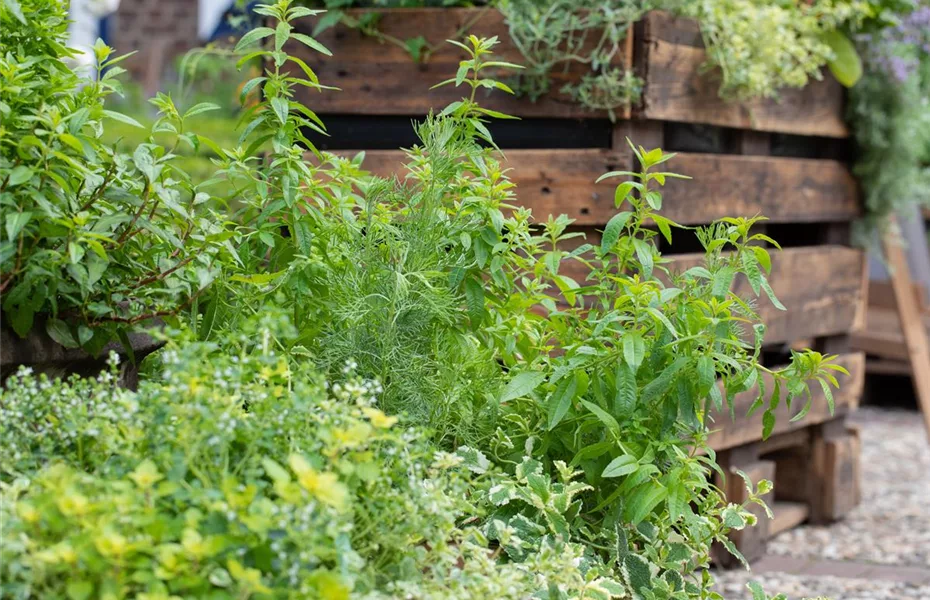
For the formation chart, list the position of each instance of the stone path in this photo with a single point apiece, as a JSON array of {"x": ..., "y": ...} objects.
[{"x": 881, "y": 551}]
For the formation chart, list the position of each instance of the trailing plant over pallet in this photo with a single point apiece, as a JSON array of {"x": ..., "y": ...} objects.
[{"x": 554, "y": 403}]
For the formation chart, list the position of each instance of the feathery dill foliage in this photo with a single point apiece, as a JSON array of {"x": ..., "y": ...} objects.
[{"x": 405, "y": 244}]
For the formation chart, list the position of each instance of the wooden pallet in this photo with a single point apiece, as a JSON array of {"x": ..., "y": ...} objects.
[
  {"x": 782, "y": 159},
  {"x": 816, "y": 474}
]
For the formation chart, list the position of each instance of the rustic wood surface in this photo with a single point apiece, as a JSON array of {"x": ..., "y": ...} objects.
[
  {"x": 786, "y": 190},
  {"x": 819, "y": 285},
  {"x": 743, "y": 430},
  {"x": 679, "y": 89},
  {"x": 380, "y": 78},
  {"x": 912, "y": 325}
]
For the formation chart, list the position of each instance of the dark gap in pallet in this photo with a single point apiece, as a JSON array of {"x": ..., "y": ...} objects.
[
  {"x": 800, "y": 146},
  {"x": 791, "y": 473},
  {"x": 384, "y": 132},
  {"x": 889, "y": 391},
  {"x": 712, "y": 139},
  {"x": 774, "y": 356},
  {"x": 793, "y": 235},
  {"x": 683, "y": 242},
  {"x": 694, "y": 137}
]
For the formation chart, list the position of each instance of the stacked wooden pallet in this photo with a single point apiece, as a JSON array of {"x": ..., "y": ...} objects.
[{"x": 779, "y": 159}]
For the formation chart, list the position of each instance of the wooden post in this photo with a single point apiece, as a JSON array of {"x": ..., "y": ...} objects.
[{"x": 915, "y": 335}]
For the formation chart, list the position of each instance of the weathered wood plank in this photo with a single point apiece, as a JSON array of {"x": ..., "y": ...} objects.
[
  {"x": 788, "y": 515},
  {"x": 729, "y": 433},
  {"x": 678, "y": 89},
  {"x": 819, "y": 285},
  {"x": 380, "y": 78},
  {"x": 915, "y": 334},
  {"x": 786, "y": 190}
]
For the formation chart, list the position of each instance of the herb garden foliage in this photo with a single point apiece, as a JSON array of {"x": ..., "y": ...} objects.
[
  {"x": 890, "y": 112},
  {"x": 94, "y": 240},
  {"x": 237, "y": 475},
  {"x": 563, "y": 451}
]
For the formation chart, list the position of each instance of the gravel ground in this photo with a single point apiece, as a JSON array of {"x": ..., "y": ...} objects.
[
  {"x": 892, "y": 525},
  {"x": 733, "y": 587}
]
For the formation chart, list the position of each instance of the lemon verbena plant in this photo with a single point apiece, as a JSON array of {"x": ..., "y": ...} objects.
[{"x": 95, "y": 241}]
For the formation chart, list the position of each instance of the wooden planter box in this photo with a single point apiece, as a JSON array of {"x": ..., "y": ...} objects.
[
  {"x": 381, "y": 78},
  {"x": 678, "y": 89}
]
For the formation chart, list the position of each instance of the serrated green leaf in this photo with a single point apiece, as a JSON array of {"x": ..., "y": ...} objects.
[
  {"x": 634, "y": 349},
  {"x": 59, "y": 331},
  {"x": 643, "y": 500},
  {"x": 625, "y": 397},
  {"x": 768, "y": 424},
  {"x": 751, "y": 268},
  {"x": 474, "y": 300},
  {"x": 644, "y": 253},
  {"x": 259, "y": 33}
]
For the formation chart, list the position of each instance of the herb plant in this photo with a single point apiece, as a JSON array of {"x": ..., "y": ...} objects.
[
  {"x": 235, "y": 475},
  {"x": 890, "y": 117},
  {"x": 556, "y": 35},
  {"x": 583, "y": 379},
  {"x": 95, "y": 241},
  {"x": 761, "y": 47}
]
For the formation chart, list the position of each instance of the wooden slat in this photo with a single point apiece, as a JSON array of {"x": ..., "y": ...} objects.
[
  {"x": 786, "y": 190},
  {"x": 744, "y": 429},
  {"x": 678, "y": 89},
  {"x": 915, "y": 334},
  {"x": 788, "y": 515},
  {"x": 820, "y": 287},
  {"x": 379, "y": 78},
  {"x": 882, "y": 366}
]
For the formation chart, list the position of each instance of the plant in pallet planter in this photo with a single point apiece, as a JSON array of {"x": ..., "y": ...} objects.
[
  {"x": 96, "y": 243},
  {"x": 581, "y": 54}
]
